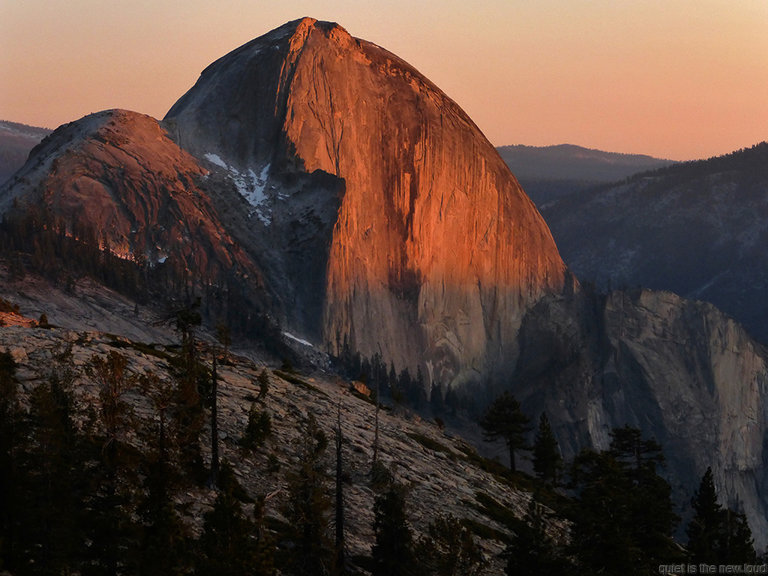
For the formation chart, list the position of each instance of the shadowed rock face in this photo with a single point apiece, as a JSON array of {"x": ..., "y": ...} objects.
[
  {"x": 697, "y": 229},
  {"x": 681, "y": 371},
  {"x": 434, "y": 252},
  {"x": 118, "y": 176}
]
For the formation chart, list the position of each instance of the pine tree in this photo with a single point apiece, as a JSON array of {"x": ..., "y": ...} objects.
[
  {"x": 738, "y": 546},
  {"x": 164, "y": 538},
  {"x": 653, "y": 516},
  {"x": 258, "y": 429},
  {"x": 532, "y": 552},
  {"x": 214, "y": 404},
  {"x": 10, "y": 440},
  {"x": 393, "y": 548},
  {"x": 704, "y": 528},
  {"x": 229, "y": 544},
  {"x": 224, "y": 338},
  {"x": 264, "y": 561},
  {"x": 263, "y": 380},
  {"x": 505, "y": 419},
  {"x": 339, "y": 567},
  {"x": 110, "y": 508},
  {"x": 403, "y": 386},
  {"x": 547, "y": 462},
  {"x": 392, "y": 377},
  {"x": 259, "y": 421},
  {"x": 50, "y": 494},
  {"x": 192, "y": 378},
  {"x": 448, "y": 549},
  {"x": 717, "y": 535},
  {"x": 623, "y": 516},
  {"x": 308, "y": 506}
]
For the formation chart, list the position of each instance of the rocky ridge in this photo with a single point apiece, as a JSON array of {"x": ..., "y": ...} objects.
[
  {"x": 434, "y": 252},
  {"x": 115, "y": 176}
]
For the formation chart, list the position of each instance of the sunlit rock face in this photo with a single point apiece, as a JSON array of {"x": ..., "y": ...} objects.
[
  {"x": 117, "y": 178},
  {"x": 432, "y": 252},
  {"x": 681, "y": 371}
]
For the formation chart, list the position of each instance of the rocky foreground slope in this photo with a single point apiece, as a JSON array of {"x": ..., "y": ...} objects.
[{"x": 441, "y": 471}]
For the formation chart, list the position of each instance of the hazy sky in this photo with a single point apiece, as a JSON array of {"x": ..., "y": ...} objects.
[{"x": 673, "y": 78}]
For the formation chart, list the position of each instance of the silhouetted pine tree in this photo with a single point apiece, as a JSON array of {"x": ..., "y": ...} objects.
[
  {"x": 400, "y": 392},
  {"x": 229, "y": 543},
  {"x": 224, "y": 338},
  {"x": 393, "y": 553},
  {"x": 110, "y": 507},
  {"x": 10, "y": 439},
  {"x": 448, "y": 549},
  {"x": 214, "y": 405},
  {"x": 504, "y": 419},
  {"x": 264, "y": 561},
  {"x": 339, "y": 564},
  {"x": 717, "y": 535},
  {"x": 50, "y": 495},
  {"x": 704, "y": 528},
  {"x": 547, "y": 462},
  {"x": 532, "y": 552},
  {"x": 739, "y": 546},
  {"x": 191, "y": 377},
  {"x": 164, "y": 539},
  {"x": 623, "y": 517},
  {"x": 258, "y": 429},
  {"x": 308, "y": 506}
]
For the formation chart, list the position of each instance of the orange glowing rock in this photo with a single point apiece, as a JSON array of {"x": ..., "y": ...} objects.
[{"x": 435, "y": 252}]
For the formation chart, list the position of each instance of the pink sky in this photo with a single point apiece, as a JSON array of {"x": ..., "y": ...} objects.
[{"x": 676, "y": 79}]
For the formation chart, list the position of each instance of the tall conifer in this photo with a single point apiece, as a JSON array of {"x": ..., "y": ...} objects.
[
  {"x": 393, "y": 548},
  {"x": 547, "y": 462},
  {"x": 504, "y": 419}
]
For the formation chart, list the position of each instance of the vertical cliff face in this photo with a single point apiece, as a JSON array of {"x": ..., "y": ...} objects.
[
  {"x": 435, "y": 252},
  {"x": 681, "y": 371}
]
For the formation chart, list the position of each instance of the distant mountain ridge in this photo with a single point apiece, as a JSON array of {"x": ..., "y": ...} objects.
[
  {"x": 549, "y": 172},
  {"x": 16, "y": 141},
  {"x": 696, "y": 228},
  {"x": 545, "y": 172}
]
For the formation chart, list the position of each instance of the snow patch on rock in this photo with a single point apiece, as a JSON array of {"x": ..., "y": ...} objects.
[
  {"x": 216, "y": 159},
  {"x": 297, "y": 339},
  {"x": 250, "y": 185}
]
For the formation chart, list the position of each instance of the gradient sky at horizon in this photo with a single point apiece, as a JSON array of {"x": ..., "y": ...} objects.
[{"x": 677, "y": 79}]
